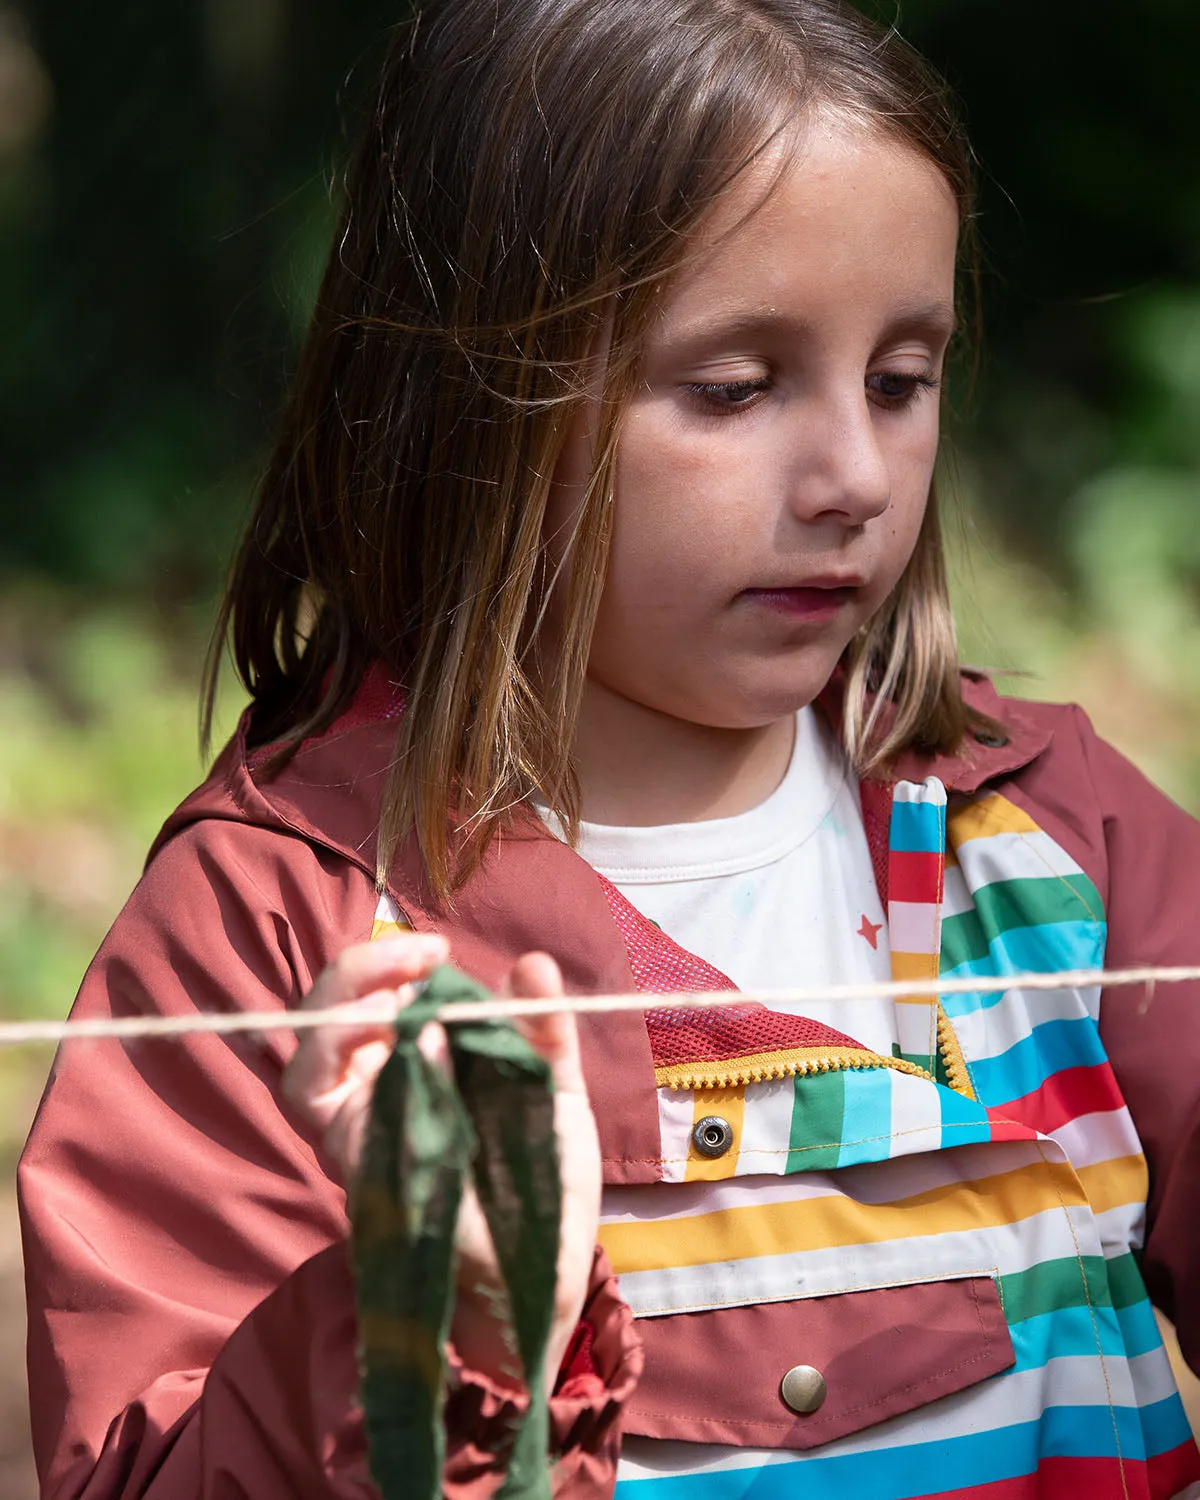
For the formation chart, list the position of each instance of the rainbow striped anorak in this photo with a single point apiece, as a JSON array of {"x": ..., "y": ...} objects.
[{"x": 996, "y": 1143}]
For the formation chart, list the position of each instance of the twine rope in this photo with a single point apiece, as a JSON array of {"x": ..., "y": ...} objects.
[{"x": 228, "y": 1023}]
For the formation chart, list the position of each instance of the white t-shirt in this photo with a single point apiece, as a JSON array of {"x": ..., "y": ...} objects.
[{"x": 778, "y": 897}]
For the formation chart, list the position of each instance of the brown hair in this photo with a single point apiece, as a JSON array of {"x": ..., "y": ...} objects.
[{"x": 530, "y": 175}]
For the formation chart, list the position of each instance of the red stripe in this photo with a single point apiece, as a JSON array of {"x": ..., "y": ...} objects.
[
  {"x": 1063, "y": 1097},
  {"x": 1093, "y": 1479},
  {"x": 914, "y": 875},
  {"x": 1171, "y": 1472},
  {"x": 1065, "y": 1479}
]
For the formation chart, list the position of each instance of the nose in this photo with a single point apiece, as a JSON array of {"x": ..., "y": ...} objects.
[{"x": 841, "y": 471}]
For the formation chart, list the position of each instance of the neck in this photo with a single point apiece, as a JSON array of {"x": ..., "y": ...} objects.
[{"x": 640, "y": 768}]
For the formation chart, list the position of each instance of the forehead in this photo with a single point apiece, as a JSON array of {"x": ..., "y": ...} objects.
[{"x": 840, "y": 216}]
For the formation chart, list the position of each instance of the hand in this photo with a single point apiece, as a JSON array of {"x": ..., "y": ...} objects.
[
  {"x": 478, "y": 1335},
  {"x": 329, "y": 1082},
  {"x": 332, "y": 1073}
]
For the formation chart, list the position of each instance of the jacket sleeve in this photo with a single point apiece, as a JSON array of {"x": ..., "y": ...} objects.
[
  {"x": 1153, "y": 1038},
  {"x": 191, "y": 1324}
]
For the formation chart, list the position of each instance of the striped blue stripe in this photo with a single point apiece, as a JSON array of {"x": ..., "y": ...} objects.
[
  {"x": 1139, "y": 1328},
  {"x": 917, "y": 827},
  {"x": 1050, "y": 1048},
  {"x": 1026, "y": 950},
  {"x": 963, "y": 1120},
  {"x": 866, "y": 1116},
  {"x": 1164, "y": 1425},
  {"x": 917, "y": 1469},
  {"x": 1066, "y": 1333}
]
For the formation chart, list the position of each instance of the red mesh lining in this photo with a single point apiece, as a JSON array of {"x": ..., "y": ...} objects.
[
  {"x": 377, "y": 697},
  {"x": 660, "y": 965},
  {"x": 876, "y": 799},
  {"x": 688, "y": 1036}
]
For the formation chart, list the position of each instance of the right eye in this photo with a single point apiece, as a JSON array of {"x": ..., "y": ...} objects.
[{"x": 728, "y": 395}]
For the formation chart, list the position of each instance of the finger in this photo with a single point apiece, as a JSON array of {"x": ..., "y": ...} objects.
[
  {"x": 327, "y": 1059},
  {"x": 434, "y": 1045},
  {"x": 384, "y": 965},
  {"x": 553, "y": 1033}
]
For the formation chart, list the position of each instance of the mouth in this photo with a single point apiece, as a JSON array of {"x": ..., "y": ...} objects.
[{"x": 817, "y": 599}]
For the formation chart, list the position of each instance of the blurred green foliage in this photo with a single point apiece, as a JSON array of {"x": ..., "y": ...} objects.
[{"x": 164, "y": 211}]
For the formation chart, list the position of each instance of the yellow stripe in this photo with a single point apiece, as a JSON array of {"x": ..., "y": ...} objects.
[
  {"x": 730, "y": 1104},
  {"x": 914, "y": 966},
  {"x": 1113, "y": 1184},
  {"x": 821, "y": 1223},
  {"x": 986, "y": 816},
  {"x": 387, "y": 929}
]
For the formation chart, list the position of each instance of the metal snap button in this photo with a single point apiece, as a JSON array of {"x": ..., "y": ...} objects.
[
  {"x": 803, "y": 1389},
  {"x": 991, "y": 741},
  {"x": 712, "y": 1136}
]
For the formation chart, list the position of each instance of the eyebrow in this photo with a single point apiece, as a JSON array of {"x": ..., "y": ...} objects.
[{"x": 937, "y": 317}]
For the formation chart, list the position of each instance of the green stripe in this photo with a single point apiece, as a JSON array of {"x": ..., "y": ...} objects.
[
  {"x": 1125, "y": 1280},
  {"x": 1071, "y": 1282},
  {"x": 816, "y": 1138},
  {"x": 1007, "y": 904}
]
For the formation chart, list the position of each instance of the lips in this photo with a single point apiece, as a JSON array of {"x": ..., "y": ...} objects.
[{"x": 812, "y": 600}]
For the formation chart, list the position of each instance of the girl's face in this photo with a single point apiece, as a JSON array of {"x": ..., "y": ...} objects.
[{"x": 775, "y": 461}]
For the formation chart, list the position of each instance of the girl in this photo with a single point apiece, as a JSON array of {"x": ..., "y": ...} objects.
[{"x": 595, "y": 624}]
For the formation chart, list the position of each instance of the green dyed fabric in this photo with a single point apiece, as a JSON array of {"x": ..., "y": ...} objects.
[{"x": 490, "y": 1124}]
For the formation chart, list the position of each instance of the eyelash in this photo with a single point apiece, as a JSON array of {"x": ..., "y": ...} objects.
[{"x": 731, "y": 397}]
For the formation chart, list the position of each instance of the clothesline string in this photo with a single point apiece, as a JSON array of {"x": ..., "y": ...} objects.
[{"x": 228, "y": 1023}]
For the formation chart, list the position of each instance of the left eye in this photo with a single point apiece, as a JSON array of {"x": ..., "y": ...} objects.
[
  {"x": 730, "y": 395},
  {"x": 896, "y": 388}
]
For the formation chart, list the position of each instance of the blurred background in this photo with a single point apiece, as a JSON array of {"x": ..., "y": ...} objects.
[{"x": 164, "y": 210}]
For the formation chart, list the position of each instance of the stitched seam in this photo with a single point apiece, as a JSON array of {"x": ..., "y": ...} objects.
[
  {"x": 935, "y": 1003},
  {"x": 864, "y": 1140},
  {"x": 1062, "y": 880},
  {"x": 833, "y": 1418},
  {"x": 1091, "y": 1314},
  {"x": 666, "y": 1310}
]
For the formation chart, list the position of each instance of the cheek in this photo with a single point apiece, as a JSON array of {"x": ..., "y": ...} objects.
[{"x": 679, "y": 505}]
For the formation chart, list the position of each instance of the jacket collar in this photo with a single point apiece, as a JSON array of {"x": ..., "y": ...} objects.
[
  {"x": 329, "y": 793},
  {"x": 982, "y": 757}
]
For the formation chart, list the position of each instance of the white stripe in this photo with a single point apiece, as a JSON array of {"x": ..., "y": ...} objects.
[
  {"x": 956, "y": 894},
  {"x": 993, "y": 1029},
  {"x": 998, "y": 1250},
  {"x": 931, "y": 790},
  {"x": 1120, "y": 1229},
  {"x": 1022, "y": 857},
  {"x": 676, "y": 1117},
  {"x": 870, "y": 1182},
  {"x": 916, "y": 1116},
  {"x": 662, "y": 1202},
  {"x": 1103, "y": 1136},
  {"x": 912, "y": 926},
  {"x": 766, "y": 1127},
  {"x": 387, "y": 910},
  {"x": 1013, "y": 856}
]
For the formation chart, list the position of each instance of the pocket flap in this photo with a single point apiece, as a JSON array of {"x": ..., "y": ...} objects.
[{"x": 716, "y": 1377}]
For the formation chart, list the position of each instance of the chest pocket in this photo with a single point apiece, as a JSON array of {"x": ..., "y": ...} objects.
[{"x": 828, "y": 1248}]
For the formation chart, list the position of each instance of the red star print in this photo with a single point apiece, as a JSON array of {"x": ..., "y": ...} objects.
[{"x": 870, "y": 931}]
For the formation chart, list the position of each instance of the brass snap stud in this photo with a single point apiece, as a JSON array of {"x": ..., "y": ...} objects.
[{"x": 803, "y": 1389}]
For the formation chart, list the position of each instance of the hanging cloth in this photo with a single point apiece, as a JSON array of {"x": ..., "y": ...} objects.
[{"x": 487, "y": 1122}]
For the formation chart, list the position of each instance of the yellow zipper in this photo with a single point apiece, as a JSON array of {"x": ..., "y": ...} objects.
[
  {"x": 762, "y": 1067},
  {"x": 955, "y": 1064}
]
